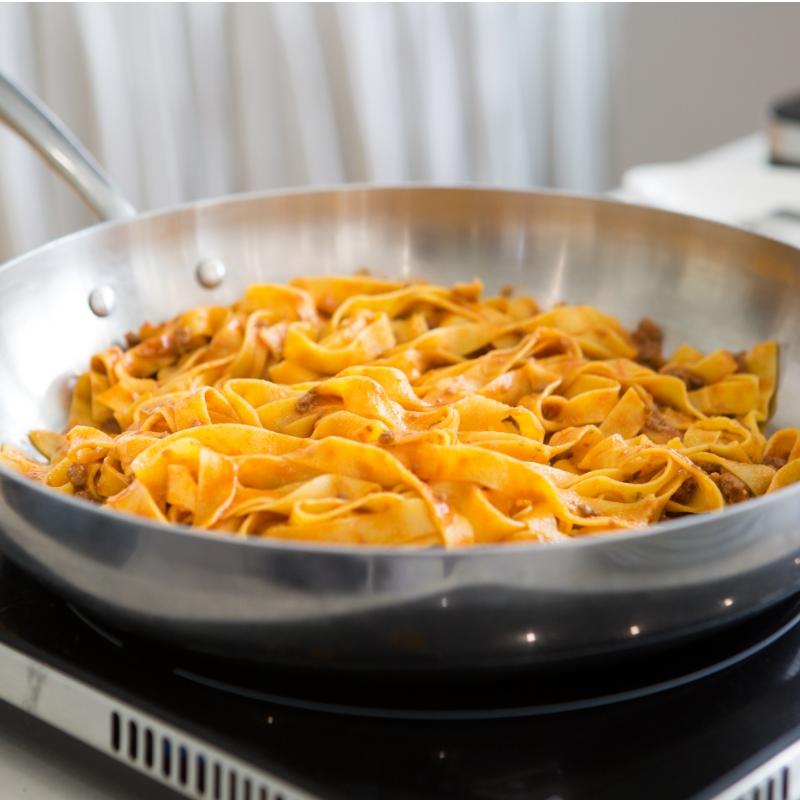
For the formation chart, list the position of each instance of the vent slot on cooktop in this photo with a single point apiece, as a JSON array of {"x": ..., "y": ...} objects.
[
  {"x": 190, "y": 768},
  {"x": 775, "y": 787}
]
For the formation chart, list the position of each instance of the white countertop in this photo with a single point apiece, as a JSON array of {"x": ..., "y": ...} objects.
[{"x": 734, "y": 183}]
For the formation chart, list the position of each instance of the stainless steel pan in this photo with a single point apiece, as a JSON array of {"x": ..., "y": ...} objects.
[{"x": 366, "y": 608}]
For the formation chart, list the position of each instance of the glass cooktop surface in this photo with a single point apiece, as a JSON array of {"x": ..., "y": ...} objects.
[{"x": 681, "y": 722}]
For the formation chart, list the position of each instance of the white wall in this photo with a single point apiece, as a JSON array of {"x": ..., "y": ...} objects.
[{"x": 693, "y": 76}]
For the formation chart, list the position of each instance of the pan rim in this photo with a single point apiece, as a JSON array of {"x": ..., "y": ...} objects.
[{"x": 259, "y": 194}]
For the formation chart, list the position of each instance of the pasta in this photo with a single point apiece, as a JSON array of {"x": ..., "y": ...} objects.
[{"x": 359, "y": 411}]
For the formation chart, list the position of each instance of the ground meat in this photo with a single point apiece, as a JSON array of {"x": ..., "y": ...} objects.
[
  {"x": 83, "y": 495},
  {"x": 648, "y": 339},
  {"x": 77, "y": 475},
  {"x": 307, "y": 401},
  {"x": 386, "y": 438},
  {"x": 507, "y": 291},
  {"x": 180, "y": 340},
  {"x": 692, "y": 381},
  {"x": 741, "y": 361},
  {"x": 170, "y": 343},
  {"x": 132, "y": 339},
  {"x": 659, "y": 427},
  {"x": 710, "y": 468},
  {"x": 733, "y": 489},
  {"x": 584, "y": 510},
  {"x": 685, "y": 492},
  {"x": 776, "y": 462},
  {"x": 110, "y": 426}
]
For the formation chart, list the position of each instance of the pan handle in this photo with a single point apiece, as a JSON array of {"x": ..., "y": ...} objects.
[{"x": 32, "y": 120}]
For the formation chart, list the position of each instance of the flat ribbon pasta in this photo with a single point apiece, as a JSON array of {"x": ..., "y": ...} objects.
[{"x": 358, "y": 411}]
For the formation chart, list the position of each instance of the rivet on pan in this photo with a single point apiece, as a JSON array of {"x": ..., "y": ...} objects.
[
  {"x": 101, "y": 301},
  {"x": 210, "y": 272}
]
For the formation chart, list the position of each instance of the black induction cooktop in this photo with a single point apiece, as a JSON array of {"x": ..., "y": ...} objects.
[{"x": 684, "y": 722}]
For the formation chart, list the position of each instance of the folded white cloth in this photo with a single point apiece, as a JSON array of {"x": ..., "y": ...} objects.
[{"x": 734, "y": 184}]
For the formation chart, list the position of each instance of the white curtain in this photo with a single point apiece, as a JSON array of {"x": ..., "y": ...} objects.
[{"x": 181, "y": 101}]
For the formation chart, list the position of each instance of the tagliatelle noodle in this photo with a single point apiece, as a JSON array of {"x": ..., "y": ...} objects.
[{"x": 357, "y": 411}]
